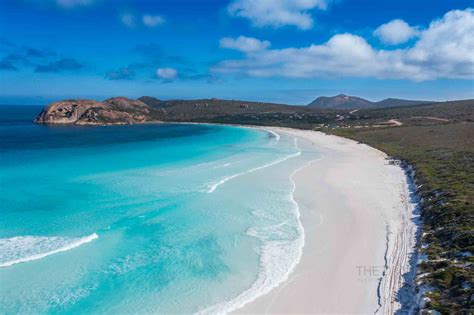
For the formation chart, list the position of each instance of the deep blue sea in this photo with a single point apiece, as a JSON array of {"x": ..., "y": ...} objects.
[{"x": 161, "y": 218}]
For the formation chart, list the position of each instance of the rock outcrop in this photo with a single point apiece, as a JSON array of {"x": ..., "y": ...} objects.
[{"x": 113, "y": 111}]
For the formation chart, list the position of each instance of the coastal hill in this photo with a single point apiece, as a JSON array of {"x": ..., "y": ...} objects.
[
  {"x": 342, "y": 101},
  {"x": 117, "y": 110},
  {"x": 121, "y": 110}
]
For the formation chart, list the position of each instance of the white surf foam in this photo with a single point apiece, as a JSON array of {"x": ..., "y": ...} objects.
[
  {"x": 21, "y": 249},
  {"x": 278, "y": 260},
  {"x": 277, "y": 136},
  {"x": 213, "y": 187},
  {"x": 223, "y": 165}
]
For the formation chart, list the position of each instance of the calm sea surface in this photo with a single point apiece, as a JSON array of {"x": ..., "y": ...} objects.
[{"x": 159, "y": 218}]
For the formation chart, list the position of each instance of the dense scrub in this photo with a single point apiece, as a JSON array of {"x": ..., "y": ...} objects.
[{"x": 443, "y": 156}]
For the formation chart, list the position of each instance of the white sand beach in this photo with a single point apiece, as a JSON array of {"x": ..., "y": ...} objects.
[{"x": 359, "y": 233}]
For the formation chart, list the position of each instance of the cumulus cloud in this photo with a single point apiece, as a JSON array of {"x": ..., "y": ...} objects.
[
  {"x": 61, "y": 65},
  {"x": 446, "y": 46},
  {"x": 443, "y": 50},
  {"x": 73, "y": 3},
  {"x": 152, "y": 20},
  {"x": 21, "y": 56},
  {"x": 166, "y": 73},
  {"x": 120, "y": 74},
  {"x": 277, "y": 13},
  {"x": 25, "y": 56},
  {"x": 147, "y": 58},
  {"x": 395, "y": 32},
  {"x": 244, "y": 44},
  {"x": 128, "y": 20}
]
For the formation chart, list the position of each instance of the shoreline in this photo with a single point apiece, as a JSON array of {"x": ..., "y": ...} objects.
[
  {"x": 363, "y": 271},
  {"x": 265, "y": 281},
  {"x": 359, "y": 242}
]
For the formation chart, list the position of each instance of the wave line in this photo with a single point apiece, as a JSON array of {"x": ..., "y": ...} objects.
[
  {"x": 225, "y": 179},
  {"x": 76, "y": 243}
]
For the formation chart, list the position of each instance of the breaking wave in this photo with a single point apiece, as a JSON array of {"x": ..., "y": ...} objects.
[
  {"x": 213, "y": 187},
  {"x": 22, "y": 249}
]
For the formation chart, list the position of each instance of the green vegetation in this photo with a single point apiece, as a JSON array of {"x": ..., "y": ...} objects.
[
  {"x": 443, "y": 156},
  {"x": 436, "y": 139}
]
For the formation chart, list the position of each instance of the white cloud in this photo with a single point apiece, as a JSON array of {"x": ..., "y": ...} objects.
[
  {"x": 166, "y": 73},
  {"x": 152, "y": 20},
  {"x": 447, "y": 45},
  {"x": 73, "y": 3},
  {"x": 395, "y": 32},
  {"x": 443, "y": 50},
  {"x": 128, "y": 20},
  {"x": 277, "y": 13},
  {"x": 244, "y": 44}
]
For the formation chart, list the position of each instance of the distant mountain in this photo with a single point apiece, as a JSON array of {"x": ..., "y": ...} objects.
[
  {"x": 340, "y": 101},
  {"x": 352, "y": 102}
]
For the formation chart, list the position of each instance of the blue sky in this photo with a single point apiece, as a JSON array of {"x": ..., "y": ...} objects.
[{"x": 289, "y": 51}]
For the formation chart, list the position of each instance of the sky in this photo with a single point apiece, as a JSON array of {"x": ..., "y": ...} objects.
[{"x": 285, "y": 51}]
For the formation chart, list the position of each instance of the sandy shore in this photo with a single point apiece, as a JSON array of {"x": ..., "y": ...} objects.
[{"x": 359, "y": 233}]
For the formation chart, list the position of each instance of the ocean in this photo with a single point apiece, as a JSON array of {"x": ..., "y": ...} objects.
[{"x": 159, "y": 218}]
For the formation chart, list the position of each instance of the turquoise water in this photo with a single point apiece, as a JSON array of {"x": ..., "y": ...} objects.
[{"x": 143, "y": 219}]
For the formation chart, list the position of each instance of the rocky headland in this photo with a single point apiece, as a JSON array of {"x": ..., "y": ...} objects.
[{"x": 113, "y": 111}]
